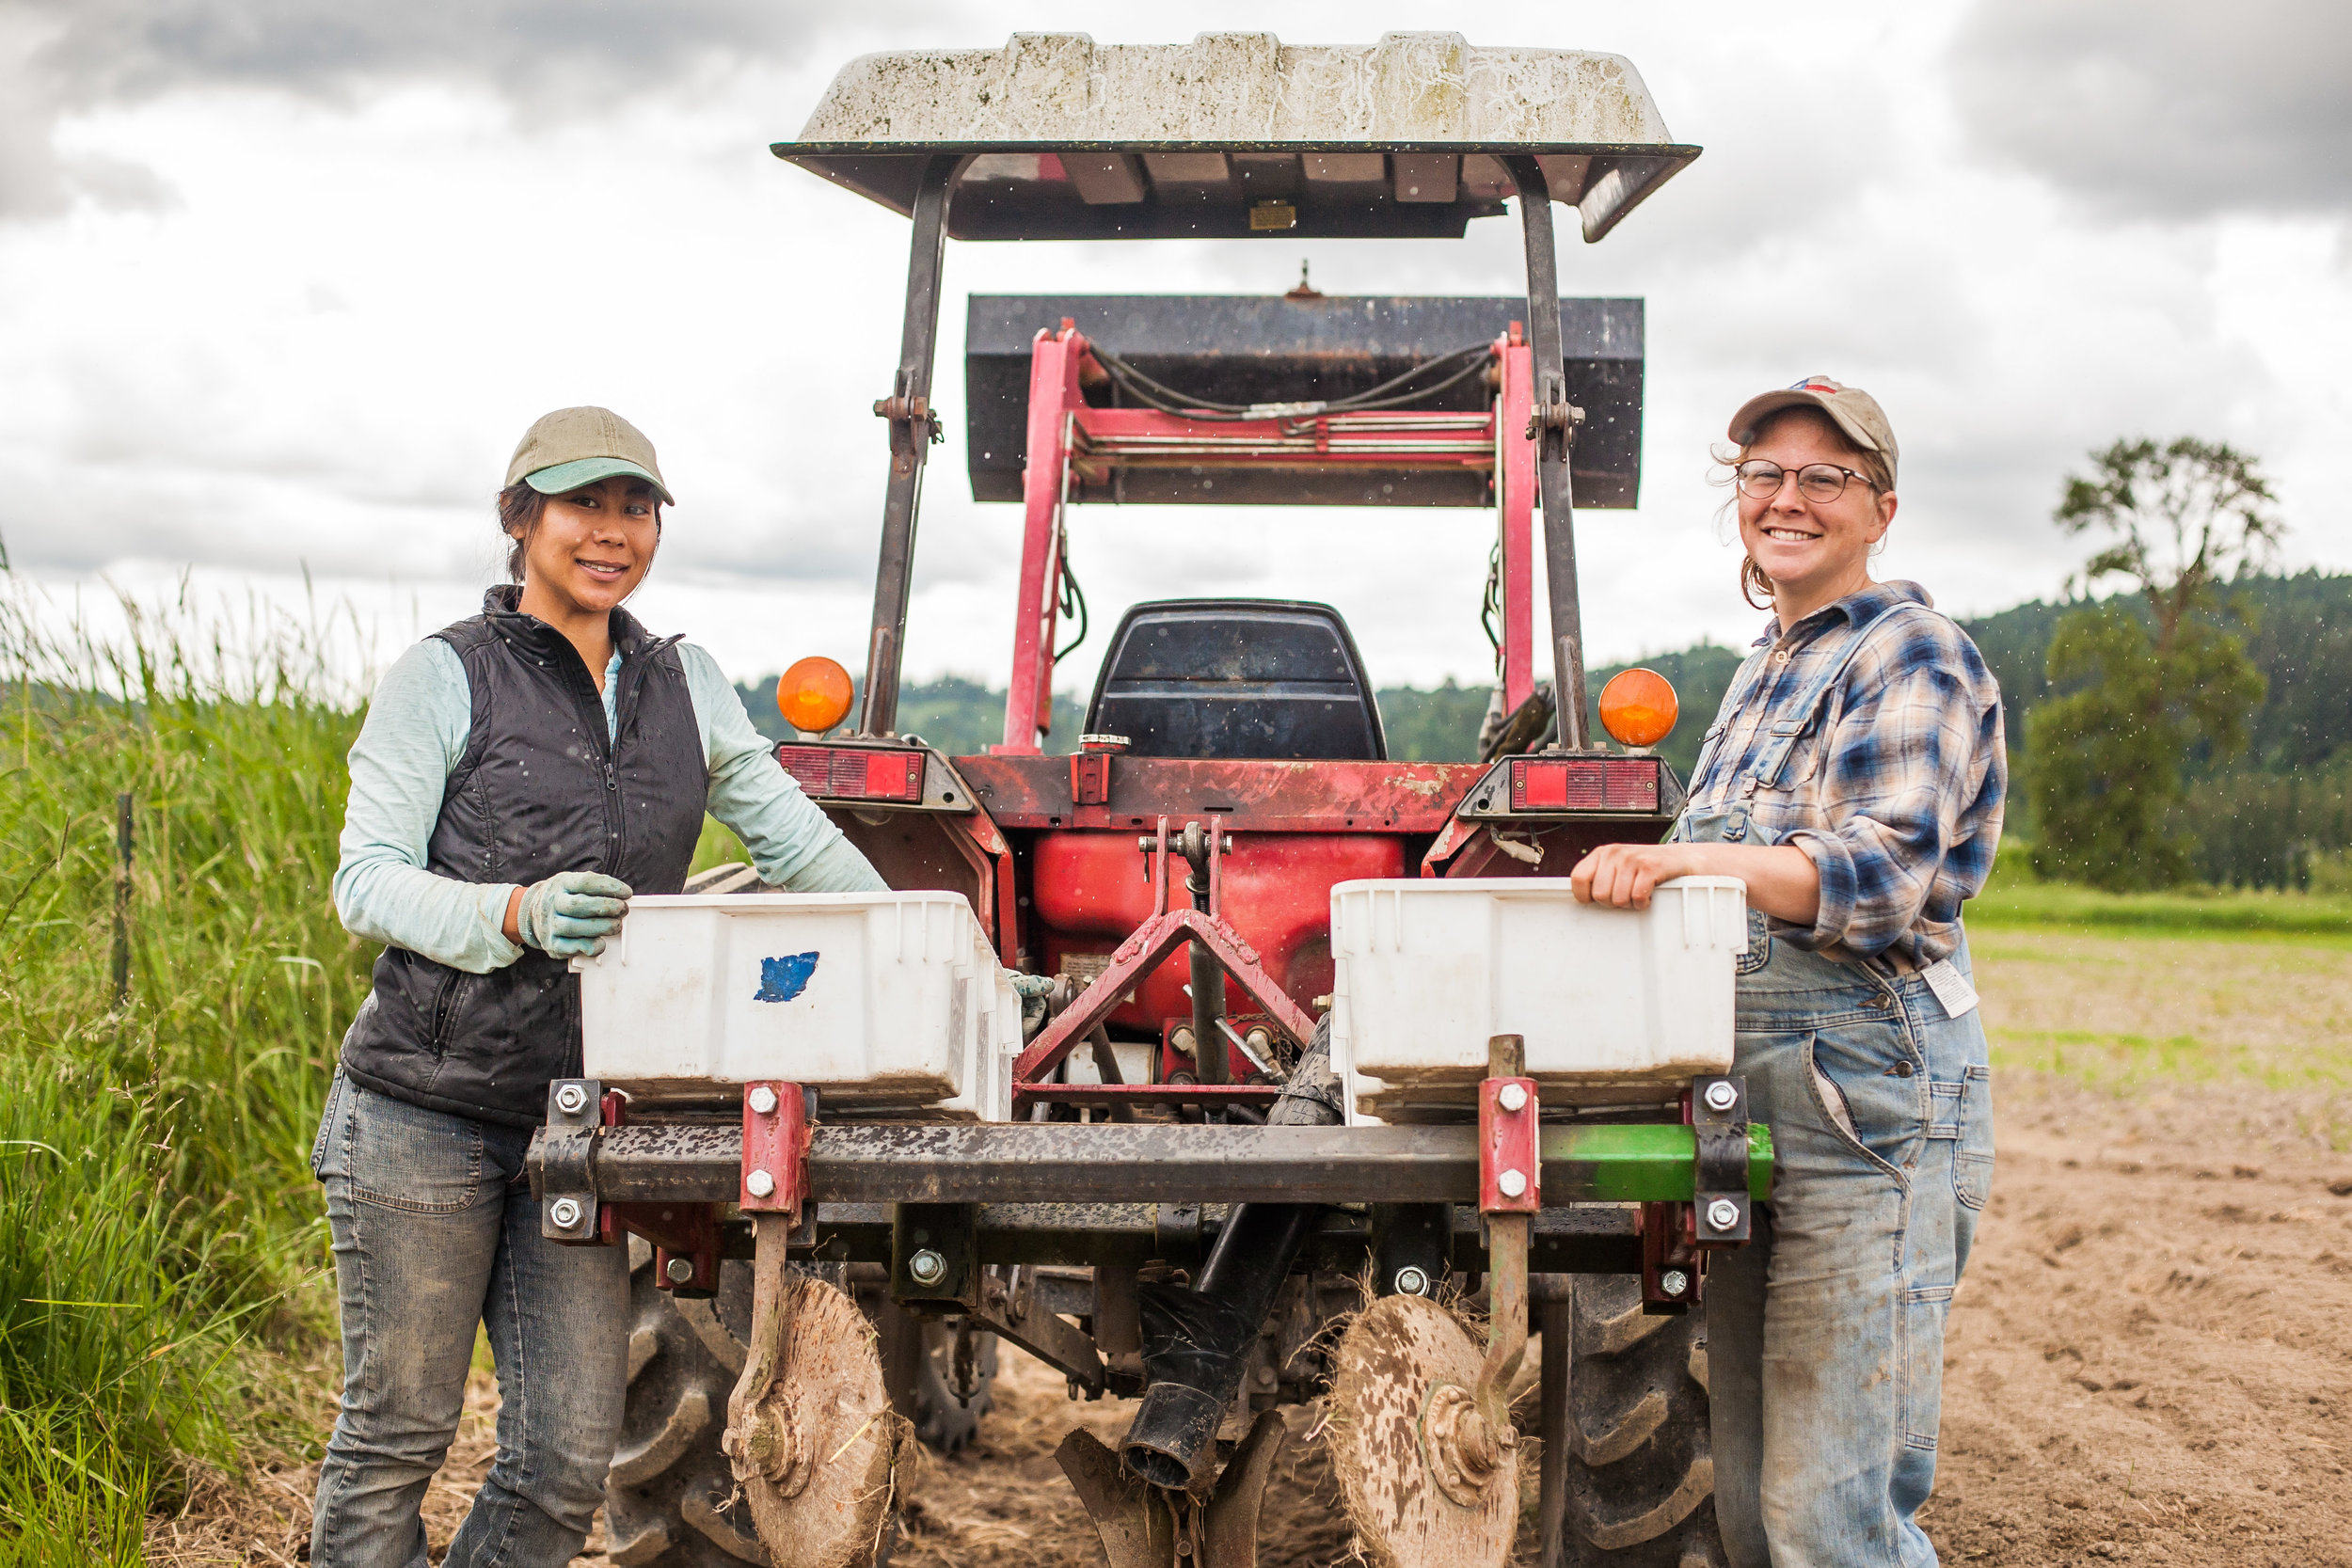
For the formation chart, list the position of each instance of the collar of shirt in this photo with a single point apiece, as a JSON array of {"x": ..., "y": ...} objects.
[{"x": 1857, "y": 609}]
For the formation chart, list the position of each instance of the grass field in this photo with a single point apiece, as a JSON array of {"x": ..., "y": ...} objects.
[
  {"x": 165, "y": 1314},
  {"x": 2010, "y": 903},
  {"x": 2242, "y": 1034}
]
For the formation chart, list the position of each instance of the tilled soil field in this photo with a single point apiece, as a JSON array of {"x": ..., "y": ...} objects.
[{"x": 2149, "y": 1360}]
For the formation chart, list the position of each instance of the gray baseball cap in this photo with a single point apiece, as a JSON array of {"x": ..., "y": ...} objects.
[
  {"x": 573, "y": 447},
  {"x": 1851, "y": 410}
]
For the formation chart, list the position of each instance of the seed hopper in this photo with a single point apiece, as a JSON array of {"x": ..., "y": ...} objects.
[{"x": 1262, "y": 1068}]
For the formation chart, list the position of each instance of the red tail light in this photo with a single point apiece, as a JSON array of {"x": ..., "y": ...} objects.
[
  {"x": 836, "y": 774},
  {"x": 1585, "y": 783}
]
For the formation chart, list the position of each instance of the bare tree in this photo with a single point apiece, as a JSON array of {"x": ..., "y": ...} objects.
[{"x": 2183, "y": 517}]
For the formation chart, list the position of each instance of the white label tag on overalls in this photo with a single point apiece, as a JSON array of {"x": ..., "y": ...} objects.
[{"x": 1951, "y": 985}]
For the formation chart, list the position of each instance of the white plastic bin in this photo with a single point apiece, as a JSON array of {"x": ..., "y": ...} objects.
[
  {"x": 883, "y": 1001},
  {"x": 1617, "y": 1006}
]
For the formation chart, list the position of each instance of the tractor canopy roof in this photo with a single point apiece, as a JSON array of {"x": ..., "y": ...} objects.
[{"x": 1238, "y": 134}]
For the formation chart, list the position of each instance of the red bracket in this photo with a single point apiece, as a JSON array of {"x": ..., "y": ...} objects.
[
  {"x": 1089, "y": 778},
  {"x": 1510, "y": 1167},
  {"x": 775, "y": 1148},
  {"x": 677, "y": 1231},
  {"x": 1142, "y": 952},
  {"x": 688, "y": 1231},
  {"x": 1670, "y": 1257}
]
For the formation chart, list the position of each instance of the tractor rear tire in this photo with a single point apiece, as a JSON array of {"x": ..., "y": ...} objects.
[
  {"x": 1641, "y": 1476},
  {"x": 665, "y": 1501}
]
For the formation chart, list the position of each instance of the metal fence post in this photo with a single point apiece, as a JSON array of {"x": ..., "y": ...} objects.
[{"x": 123, "y": 900}]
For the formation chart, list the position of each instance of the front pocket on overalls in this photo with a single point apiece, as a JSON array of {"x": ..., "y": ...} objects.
[
  {"x": 1865, "y": 1068},
  {"x": 1972, "y": 1161},
  {"x": 1759, "y": 951}
]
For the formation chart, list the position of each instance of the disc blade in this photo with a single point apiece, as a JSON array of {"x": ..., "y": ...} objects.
[
  {"x": 1394, "y": 1366},
  {"x": 824, "y": 1498}
]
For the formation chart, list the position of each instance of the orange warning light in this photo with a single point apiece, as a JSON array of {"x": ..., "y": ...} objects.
[
  {"x": 1638, "y": 707},
  {"x": 813, "y": 695}
]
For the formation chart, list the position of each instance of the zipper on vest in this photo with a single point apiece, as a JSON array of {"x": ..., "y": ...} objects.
[{"x": 624, "y": 712}]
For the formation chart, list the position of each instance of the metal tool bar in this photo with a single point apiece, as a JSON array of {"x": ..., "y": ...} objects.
[
  {"x": 1588, "y": 1239},
  {"x": 1157, "y": 1162}
]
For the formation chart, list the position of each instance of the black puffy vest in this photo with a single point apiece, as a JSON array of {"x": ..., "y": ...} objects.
[{"x": 539, "y": 790}]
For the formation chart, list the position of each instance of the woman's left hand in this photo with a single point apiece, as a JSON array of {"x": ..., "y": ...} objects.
[{"x": 1624, "y": 874}]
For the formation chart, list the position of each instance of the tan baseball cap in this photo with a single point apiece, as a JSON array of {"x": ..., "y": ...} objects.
[
  {"x": 573, "y": 447},
  {"x": 1854, "y": 410}
]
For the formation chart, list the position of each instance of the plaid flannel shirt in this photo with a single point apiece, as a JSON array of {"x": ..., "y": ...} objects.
[{"x": 1894, "y": 782}]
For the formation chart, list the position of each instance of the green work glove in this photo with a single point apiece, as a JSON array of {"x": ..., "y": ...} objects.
[{"x": 572, "y": 913}]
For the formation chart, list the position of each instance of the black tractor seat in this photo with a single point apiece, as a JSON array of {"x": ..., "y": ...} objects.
[{"x": 1261, "y": 678}]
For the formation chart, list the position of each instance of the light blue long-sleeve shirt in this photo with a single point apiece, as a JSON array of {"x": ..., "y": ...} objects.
[{"x": 413, "y": 738}]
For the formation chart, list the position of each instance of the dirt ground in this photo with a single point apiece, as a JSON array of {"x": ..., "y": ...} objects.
[{"x": 2150, "y": 1359}]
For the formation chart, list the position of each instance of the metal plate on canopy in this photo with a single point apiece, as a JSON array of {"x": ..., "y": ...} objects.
[{"x": 1237, "y": 133}]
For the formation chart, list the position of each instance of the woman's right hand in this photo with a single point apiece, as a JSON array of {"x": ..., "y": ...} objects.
[
  {"x": 572, "y": 913},
  {"x": 1625, "y": 874}
]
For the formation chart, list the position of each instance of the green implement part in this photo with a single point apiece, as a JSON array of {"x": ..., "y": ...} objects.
[{"x": 1641, "y": 1163}]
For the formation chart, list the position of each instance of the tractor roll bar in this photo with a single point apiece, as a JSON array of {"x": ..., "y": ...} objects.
[
  {"x": 914, "y": 426},
  {"x": 1557, "y": 421}
]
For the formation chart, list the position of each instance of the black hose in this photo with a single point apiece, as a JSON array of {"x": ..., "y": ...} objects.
[
  {"x": 1169, "y": 400},
  {"x": 1196, "y": 1341},
  {"x": 1073, "y": 603}
]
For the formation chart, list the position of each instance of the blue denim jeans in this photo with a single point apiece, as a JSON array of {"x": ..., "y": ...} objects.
[
  {"x": 1825, "y": 1336},
  {"x": 434, "y": 1231}
]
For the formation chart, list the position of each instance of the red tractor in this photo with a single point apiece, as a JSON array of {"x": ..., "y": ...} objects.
[{"x": 1189, "y": 1197}]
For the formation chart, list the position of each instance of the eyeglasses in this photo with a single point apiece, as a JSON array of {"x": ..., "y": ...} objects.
[{"x": 1760, "y": 479}]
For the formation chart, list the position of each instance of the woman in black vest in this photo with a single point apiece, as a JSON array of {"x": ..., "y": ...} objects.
[{"x": 519, "y": 777}]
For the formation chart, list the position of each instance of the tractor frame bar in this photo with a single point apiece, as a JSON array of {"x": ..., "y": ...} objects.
[{"x": 1142, "y": 1163}]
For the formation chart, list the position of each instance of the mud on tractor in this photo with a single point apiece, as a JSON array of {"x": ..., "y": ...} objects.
[{"x": 1275, "y": 1071}]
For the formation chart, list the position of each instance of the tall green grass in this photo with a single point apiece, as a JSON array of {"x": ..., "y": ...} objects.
[
  {"x": 157, "y": 1218},
  {"x": 2185, "y": 912}
]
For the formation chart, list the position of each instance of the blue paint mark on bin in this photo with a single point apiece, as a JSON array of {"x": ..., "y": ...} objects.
[{"x": 782, "y": 979}]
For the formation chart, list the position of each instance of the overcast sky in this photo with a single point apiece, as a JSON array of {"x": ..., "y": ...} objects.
[{"x": 281, "y": 281}]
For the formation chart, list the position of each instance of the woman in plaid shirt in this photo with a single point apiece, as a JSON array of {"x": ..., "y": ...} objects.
[{"x": 1853, "y": 780}]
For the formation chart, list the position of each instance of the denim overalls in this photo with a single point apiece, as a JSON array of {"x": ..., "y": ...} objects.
[{"x": 1825, "y": 1334}]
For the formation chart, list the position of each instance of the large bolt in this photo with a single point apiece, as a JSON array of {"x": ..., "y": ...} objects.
[
  {"x": 927, "y": 1267},
  {"x": 1674, "y": 1282},
  {"x": 680, "y": 1269},
  {"x": 1512, "y": 1098},
  {"x": 1723, "y": 1214},
  {"x": 1411, "y": 1280},
  {"x": 759, "y": 1184},
  {"x": 565, "y": 1212},
  {"x": 764, "y": 1100},
  {"x": 571, "y": 1099},
  {"x": 1513, "y": 1182},
  {"x": 1721, "y": 1096}
]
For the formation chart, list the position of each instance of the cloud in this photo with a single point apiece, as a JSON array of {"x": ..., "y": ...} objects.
[
  {"x": 2165, "y": 108},
  {"x": 552, "y": 60}
]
